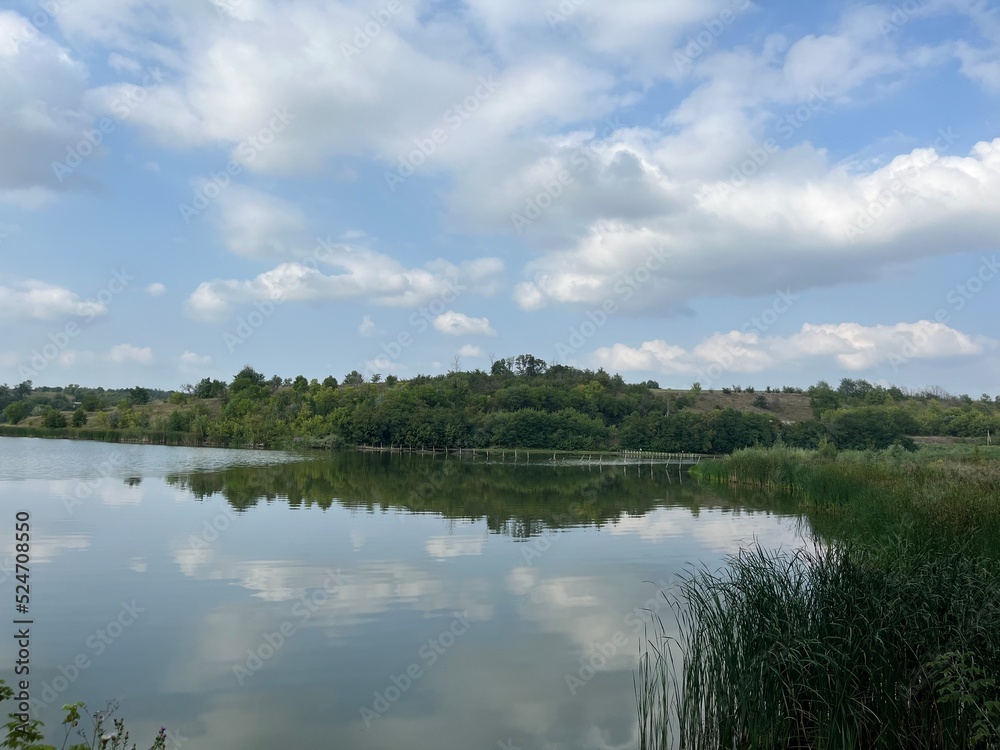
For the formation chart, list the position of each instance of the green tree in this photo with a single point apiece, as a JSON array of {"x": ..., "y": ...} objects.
[
  {"x": 823, "y": 398},
  {"x": 91, "y": 401},
  {"x": 138, "y": 395},
  {"x": 15, "y": 412},
  {"x": 209, "y": 388},
  {"x": 80, "y": 417},
  {"x": 354, "y": 378},
  {"x": 875, "y": 427},
  {"x": 502, "y": 368},
  {"x": 529, "y": 365},
  {"x": 249, "y": 381},
  {"x": 54, "y": 419}
]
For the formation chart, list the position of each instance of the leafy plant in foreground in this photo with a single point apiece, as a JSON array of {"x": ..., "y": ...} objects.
[{"x": 27, "y": 735}]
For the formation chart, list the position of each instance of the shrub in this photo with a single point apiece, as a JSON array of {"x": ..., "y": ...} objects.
[
  {"x": 54, "y": 419},
  {"x": 15, "y": 412}
]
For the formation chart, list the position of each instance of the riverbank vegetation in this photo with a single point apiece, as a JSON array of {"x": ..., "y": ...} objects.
[
  {"x": 520, "y": 403},
  {"x": 886, "y": 634}
]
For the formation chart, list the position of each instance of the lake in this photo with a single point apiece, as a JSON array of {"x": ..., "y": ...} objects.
[{"x": 251, "y": 600}]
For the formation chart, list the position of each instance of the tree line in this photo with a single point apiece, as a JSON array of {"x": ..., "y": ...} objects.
[{"x": 521, "y": 402}]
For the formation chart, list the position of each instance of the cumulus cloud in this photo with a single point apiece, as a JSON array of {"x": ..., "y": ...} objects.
[
  {"x": 365, "y": 274},
  {"x": 470, "y": 350},
  {"x": 231, "y": 71},
  {"x": 40, "y": 301},
  {"x": 191, "y": 359},
  {"x": 848, "y": 345},
  {"x": 459, "y": 324},
  {"x": 127, "y": 353},
  {"x": 156, "y": 289},
  {"x": 41, "y": 96},
  {"x": 780, "y": 229}
]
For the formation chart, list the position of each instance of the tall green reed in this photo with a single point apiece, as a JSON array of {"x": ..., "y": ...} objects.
[{"x": 835, "y": 647}]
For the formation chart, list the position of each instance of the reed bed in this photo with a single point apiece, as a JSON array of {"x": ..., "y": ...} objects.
[
  {"x": 835, "y": 647},
  {"x": 870, "y": 496},
  {"x": 885, "y": 634}
]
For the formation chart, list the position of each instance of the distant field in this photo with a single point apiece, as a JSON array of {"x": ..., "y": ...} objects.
[
  {"x": 155, "y": 409},
  {"x": 788, "y": 407}
]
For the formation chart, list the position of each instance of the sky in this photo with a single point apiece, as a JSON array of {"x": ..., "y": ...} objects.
[{"x": 721, "y": 191}]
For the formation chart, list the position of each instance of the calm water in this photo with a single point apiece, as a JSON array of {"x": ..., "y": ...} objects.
[{"x": 251, "y": 600}]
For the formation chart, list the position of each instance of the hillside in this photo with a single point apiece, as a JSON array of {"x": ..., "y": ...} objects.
[{"x": 787, "y": 407}]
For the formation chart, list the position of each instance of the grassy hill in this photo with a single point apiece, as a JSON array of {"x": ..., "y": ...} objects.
[{"x": 788, "y": 407}]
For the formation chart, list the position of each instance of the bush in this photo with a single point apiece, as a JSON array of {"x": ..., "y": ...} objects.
[
  {"x": 54, "y": 419},
  {"x": 15, "y": 412}
]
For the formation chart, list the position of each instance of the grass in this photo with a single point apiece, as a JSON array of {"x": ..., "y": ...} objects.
[
  {"x": 940, "y": 496},
  {"x": 156, "y": 437},
  {"x": 885, "y": 635},
  {"x": 789, "y": 407},
  {"x": 837, "y": 647}
]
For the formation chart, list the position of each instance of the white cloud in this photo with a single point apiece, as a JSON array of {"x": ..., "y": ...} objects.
[
  {"x": 73, "y": 357},
  {"x": 229, "y": 72},
  {"x": 848, "y": 345},
  {"x": 121, "y": 63},
  {"x": 980, "y": 62},
  {"x": 367, "y": 327},
  {"x": 41, "y": 88},
  {"x": 257, "y": 225},
  {"x": 981, "y": 65},
  {"x": 377, "y": 278},
  {"x": 155, "y": 289},
  {"x": 382, "y": 364},
  {"x": 191, "y": 359},
  {"x": 470, "y": 350},
  {"x": 793, "y": 226},
  {"x": 126, "y": 353},
  {"x": 459, "y": 324},
  {"x": 41, "y": 301}
]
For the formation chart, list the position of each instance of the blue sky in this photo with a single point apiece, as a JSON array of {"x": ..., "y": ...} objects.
[{"x": 721, "y": 191}]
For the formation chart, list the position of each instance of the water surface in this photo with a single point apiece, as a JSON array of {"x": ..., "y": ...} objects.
[{"x": 353, "y": 600}]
